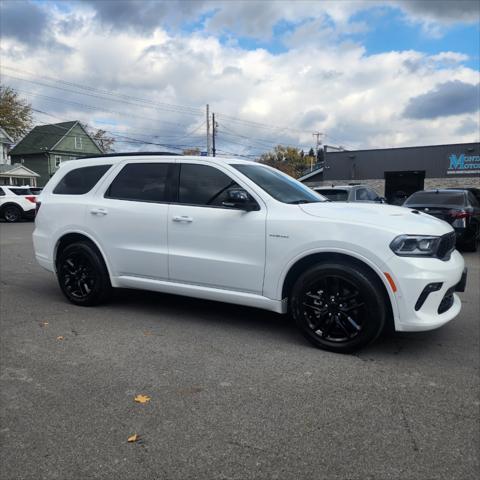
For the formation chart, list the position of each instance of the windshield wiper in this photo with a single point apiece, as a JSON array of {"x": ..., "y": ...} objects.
[{"x": 298, "y": 202}]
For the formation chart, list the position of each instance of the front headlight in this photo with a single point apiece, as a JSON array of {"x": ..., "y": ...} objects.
[{"x": 415, "y": 245}]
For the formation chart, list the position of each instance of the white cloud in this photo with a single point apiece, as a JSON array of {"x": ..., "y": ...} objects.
[{"x": 321, "y": 84}]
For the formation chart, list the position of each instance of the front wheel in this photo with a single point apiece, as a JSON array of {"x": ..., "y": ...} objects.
[
  {"x": 339, "y": 307},
  {"x": 82, "y": 274}
]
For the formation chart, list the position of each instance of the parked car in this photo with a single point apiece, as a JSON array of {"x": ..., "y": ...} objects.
[
  {"x": 16, "y": 203},
  {"x": 244, "y": 233},
  {"x": 350, "y": 193},
  {"x": 459, "y": 208}
]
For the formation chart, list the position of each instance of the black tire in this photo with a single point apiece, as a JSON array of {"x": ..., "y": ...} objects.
[
  {"x": 12, "y": 213},
  {"x": 471, "y": 245},
  {"x": 82, "y": 274},
  {"x": 339, "y": 306}
]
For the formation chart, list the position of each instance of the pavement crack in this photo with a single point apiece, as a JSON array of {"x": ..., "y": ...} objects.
[{"x": 406, "y": 424}]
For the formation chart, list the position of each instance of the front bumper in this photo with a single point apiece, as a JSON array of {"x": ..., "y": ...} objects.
[{"x": 412, "y": 275}]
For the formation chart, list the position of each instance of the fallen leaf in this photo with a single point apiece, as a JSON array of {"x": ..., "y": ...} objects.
[
  {"x": 148, "y": 333},
  {"x": 142, "y": 398},
  {"x": 60, "y": 337},
  {"x": 133, "y": 438},
  {"x": 43, "y": 324}
]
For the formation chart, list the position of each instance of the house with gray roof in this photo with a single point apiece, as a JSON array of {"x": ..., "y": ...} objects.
[{"x": 45, "y": 147}]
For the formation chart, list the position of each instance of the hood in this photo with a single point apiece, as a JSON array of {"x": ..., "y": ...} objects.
[{"x": 398, "y": 220}]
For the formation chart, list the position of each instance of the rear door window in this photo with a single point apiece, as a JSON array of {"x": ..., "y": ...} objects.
[
  {"x": 142, "y": 182},
  {"x": 81, "y": 180}
]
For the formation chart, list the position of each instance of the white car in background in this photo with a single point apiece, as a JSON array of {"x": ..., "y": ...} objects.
[
  {"x": 16, "y": 203},
  {"x": 244, "y": 233}
]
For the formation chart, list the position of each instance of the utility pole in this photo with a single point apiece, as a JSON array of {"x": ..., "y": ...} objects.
[
  {"x": 214, "y": 128},
  {"x": 319, "y": 142},
  {"x": 208, "y": 131}
]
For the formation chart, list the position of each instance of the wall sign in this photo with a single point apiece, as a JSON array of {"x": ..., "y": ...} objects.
[{"x": 463, "y": 164}]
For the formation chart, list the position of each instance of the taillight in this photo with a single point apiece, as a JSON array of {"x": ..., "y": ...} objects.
[
  {"x": 459, "y": 214},
  {"x": 37, "y": 208},
  {"x": 31, "y": 198}
]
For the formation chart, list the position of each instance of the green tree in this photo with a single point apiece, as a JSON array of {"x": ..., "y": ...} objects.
[
  {"x": 15, "y": 113},
  {"x": 287, "y": 159}
]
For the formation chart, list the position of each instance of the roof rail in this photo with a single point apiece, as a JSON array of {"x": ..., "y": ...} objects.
[{"x": 134, "y": 154}]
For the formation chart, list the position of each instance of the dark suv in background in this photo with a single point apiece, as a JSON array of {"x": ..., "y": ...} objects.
[{"x": 459, "y": 207}]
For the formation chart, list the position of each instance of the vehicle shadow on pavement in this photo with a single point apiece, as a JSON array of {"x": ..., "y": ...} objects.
[{"x": 194, "y": 310}]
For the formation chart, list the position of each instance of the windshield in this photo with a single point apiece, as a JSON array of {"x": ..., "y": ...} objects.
[
  {"x": 335, "y": 195},
  {"x": 280, "y": 186},
  {"x": 436, "y": 198}
]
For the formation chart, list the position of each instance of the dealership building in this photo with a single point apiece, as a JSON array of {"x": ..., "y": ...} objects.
[{"x": 397, "y": 172}]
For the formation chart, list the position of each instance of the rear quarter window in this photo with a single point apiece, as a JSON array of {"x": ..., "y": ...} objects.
[{"x": 81, "y": 180}]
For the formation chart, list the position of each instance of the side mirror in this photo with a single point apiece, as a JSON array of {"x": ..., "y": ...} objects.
[
  {"x": 239, "y": 198},
  {"x": 381, "y": 200}
]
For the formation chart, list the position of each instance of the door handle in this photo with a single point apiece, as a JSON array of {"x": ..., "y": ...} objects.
[
  {"x": 183, "y": 219},
  {"x": 98, "y": 211}
]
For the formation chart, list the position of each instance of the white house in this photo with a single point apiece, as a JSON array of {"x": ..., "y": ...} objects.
[{"x": 16, "y": 174}]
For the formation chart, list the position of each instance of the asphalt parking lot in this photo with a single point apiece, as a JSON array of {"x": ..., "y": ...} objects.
[{"x": 236, "y": 393}]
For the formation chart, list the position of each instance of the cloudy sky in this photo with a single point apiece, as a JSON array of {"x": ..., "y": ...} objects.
[{"x": 365, "y": 73}]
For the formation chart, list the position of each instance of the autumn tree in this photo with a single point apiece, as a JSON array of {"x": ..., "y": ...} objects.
[
  {"x": 192, "y": 151},
  {"x": 287, "y": 159},
  {"x": 15, "y": 113},
  {"x": 100, "y": 137}
]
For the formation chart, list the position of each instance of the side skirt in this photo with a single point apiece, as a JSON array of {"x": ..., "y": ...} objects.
[{"x": 197, "y": 291}]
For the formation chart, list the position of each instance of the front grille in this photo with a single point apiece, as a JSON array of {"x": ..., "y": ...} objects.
[
  {"x": 447, "y": 301},
  {"x": 447, "y": 246}
]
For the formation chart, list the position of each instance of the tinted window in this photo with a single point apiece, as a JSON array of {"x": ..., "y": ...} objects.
[
  {"x": 80, "y": 180},
  {"x": 2, "y": 193},
  {"x": 278, "y": 185},
  {"x": 203, "y": 185},
  {"x": 361, "y": 194},
  {"x": 436, "y": 198},
  {"x": 335, "y": 195},
  {"x": 473, "y": 201},
  {"x": 142, "y": 182},
  {"x": 20, "y": 191},
  {"x": 372, "y": 194}
]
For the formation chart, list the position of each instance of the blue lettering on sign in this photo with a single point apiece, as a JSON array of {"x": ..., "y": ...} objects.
[{"x": 464, "y": 163}]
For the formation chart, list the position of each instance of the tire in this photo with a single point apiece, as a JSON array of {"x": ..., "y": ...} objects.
[
  {"x": 12, "y": 213},
  {"x": 471, "y": 245},
  {"x": 339, "y": 306},
  {"x": 82, "y": 274}
]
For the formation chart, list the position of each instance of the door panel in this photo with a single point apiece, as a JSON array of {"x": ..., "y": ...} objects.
[
  {"x": 133, "y": 235},
  {"x": 218, "y": 247},
  {"x": 210, "y": 244},
  {"x": 130, "y": 219}
]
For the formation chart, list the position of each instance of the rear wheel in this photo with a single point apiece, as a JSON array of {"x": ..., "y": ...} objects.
[
  {"x": 339, "y": 307},
  {"x": 82, "y": 274},
  {"x": 12, "y": 213},
  {"x": 471, "y": 245}
]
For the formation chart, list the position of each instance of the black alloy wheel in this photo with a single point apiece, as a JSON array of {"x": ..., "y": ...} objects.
[
  {"x": 12, "y": 214},
  {"x": 82, "y": 274},
  {"x": 339, "y": 307}
]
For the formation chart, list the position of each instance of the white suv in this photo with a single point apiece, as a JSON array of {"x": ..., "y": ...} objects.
[
  {"x": 244, "y": 233},
  {"x": 16, "y": 203}
]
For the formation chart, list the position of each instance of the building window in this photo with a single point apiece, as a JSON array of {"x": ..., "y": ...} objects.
[
  {"x": 78, "y": 143},
  {"x": 58, "y": 160}
]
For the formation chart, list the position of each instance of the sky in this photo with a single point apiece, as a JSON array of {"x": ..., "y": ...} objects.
[{"x": 364, "y": 73}]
